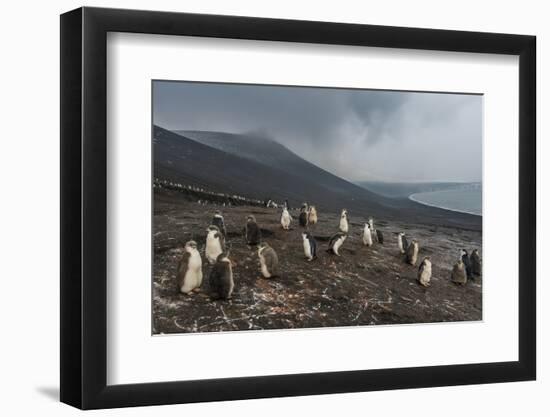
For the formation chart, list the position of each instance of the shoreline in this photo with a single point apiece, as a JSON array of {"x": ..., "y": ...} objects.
[{"x": 411, "y": 197}]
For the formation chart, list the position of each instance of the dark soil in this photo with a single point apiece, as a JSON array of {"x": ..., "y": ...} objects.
[{"x": 365, "y": 286}]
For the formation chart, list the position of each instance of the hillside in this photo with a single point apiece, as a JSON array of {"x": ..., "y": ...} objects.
[
  {"x": 260, "y": 168},
  {"x": 283, "y": 175}
]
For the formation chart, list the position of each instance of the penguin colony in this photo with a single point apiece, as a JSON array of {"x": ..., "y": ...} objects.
[{"x": 189, "y": 274}]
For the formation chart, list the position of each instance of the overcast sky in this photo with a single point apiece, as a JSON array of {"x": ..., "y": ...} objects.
[{"x": 356, "y": 134}]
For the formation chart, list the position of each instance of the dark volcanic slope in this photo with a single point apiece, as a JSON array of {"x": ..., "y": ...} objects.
[
  {"x": 255, "y": 147},
  {"x": 260, "y": 168},
  {"x": 181, "y": 159},
  {"x": 276, "y": 156}
]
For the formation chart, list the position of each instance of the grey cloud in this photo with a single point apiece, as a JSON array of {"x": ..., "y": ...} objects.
[{"x": 357, "y": 134}]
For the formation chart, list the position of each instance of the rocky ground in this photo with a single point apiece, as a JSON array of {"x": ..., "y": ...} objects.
[{"x": 365, "y": 286}]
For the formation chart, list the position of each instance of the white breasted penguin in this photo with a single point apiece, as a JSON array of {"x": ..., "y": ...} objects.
[
  {"x": 286, "y": 219},
  {"x": 189, "y": 275},
  {"x": 303, "y": 215},
  {"x": 215, "y": 243},
  {"x": 312, "y": 215},
  {"x": 402, "y": 242},
  {"x": 221, "y": 278},
  {"x": 458, "y": 274},
  {"x": 366, "y": 235},
  {"x": 425, "y": 272},
  {"x": 218, "y": 221},
  {"x": 310, "y": 246},
  {"x": 252, "y": 231},
  {"x": 269, "y": 261},
  {"x": 412, "y": 253},
  {"x": 336, "y": 242},
  {"x": 344, "y": 226},
  {"x": 475, "y": 260}
]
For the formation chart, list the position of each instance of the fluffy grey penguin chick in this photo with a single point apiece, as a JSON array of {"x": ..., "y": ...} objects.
[
  {"x": 269, "y": 261},
  {"x": 221, "y": 278}
]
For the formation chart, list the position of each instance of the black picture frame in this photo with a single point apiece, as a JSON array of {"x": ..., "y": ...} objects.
[{"x": 84, "y": 207}]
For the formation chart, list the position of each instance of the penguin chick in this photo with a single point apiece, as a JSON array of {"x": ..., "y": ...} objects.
[
  {"x": 312, "y": 215},
  {"x": 221, "y": 278},
  {"x": 412, "y": 253},
  {"x": 343, "y": 225},
  {"x": 379, "y": 236},
  {"x": 401, "y": 242},
  {"x": 215, "y": 243},
  {"x": 252, "y": 231},
  {"x": 285, "y": 219},
  {"x": 189, "y": 275},
  {"x": 269, "y": 262},
  {"x": 425, "y": 272},
  {"x": 366, "y": 235},
  {"x": 218, "y": 221},
  {"x": 458, "y": 274},
  {"x": 475, "y": 260},
  {"x": 467, "y": 264},
  {"x": 303, "y": 215}
]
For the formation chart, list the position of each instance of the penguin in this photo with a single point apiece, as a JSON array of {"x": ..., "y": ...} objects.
[
  {"x": 252, "y": 231},
  {"x": 366, "y": 235},
  {"x": 475, "y": 260},
  {"x": 189, "y": 275},
  {"x": 412, "y": 253},
  {"x": 218, "y": 221},
  {"x": 371, "y": 224},
  {"x": 425, "y": 272},
  {"x": 458, "y": 274},
  {"x": 379, "y": 236},
  {"x": 285, "y": 219},
  {"x": 467, "y": 264},
  {"x": 402, "y": 242},
  {"x": 310, "y": 246},
  {"x": 303, "y": 215},
  {"x": 312, "y": 215},
  {"x": 287, "y": 206},
  {"x": 336, "y": 242},
  {"x": 215, "y": 243},
  {"x": 372, "y": 229},
  {"x": 269, "y": 262},
  {"x": 344, "y": 227},
  {"x": 221, "y": 278}
]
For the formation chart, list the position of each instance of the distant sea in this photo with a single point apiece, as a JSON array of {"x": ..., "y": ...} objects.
[{"x": 465, "y": 200}]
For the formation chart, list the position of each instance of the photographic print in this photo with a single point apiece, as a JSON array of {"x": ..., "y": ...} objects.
[{"x": 294, "y": 207}]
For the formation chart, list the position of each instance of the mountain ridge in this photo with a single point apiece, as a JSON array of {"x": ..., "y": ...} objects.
[
  {"x": 178, "y": 157},
  {"x": 270, "y": 152},
  {"x": 184, "y": 160}
]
